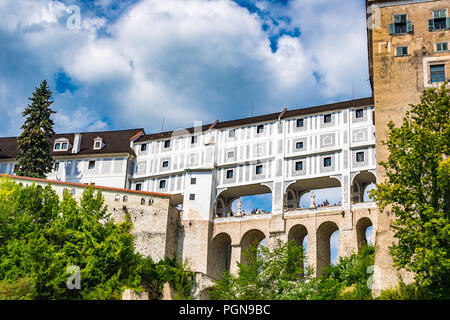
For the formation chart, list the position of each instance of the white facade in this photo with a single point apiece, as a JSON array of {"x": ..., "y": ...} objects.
[{"x": 326, "y": 149}]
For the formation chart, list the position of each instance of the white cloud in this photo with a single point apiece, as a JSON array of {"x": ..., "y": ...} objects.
[{"x": 181, "y": 60}]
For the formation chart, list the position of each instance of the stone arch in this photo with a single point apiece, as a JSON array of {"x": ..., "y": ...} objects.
[
  {"x": 297, "y": 233},
  {"x": 361, "y": 227},
  {"x": 219, "y": 258},
  {"x": 220, "y": 207},
  {"x": 253, "y": 236},
  {"x": 323, "y": 247},
  {"x": 359, "y": 183}
]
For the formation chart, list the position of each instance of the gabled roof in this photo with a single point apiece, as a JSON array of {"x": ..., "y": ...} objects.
[{"x": 114, "y": 142}]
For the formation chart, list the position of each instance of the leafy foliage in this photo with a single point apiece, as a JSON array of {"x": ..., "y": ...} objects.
[
  {"x": 40, "y": 237},
  {"x": 417, "y": 190},
  {"x": 279, "y": 274},
  {"x": 34, "y": 145}
]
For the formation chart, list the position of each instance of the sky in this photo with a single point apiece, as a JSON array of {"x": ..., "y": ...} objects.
[
  {"x": 163, "y": 65},
  {"x": 115, "y": 64}
]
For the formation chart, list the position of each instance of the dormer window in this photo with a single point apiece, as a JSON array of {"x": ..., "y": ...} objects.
[
  {"x": 61, "y": 145},
  {"x": 98, "y": 143}
]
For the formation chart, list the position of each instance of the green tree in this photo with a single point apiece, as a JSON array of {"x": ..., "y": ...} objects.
[
  {"x": 417, "y": 191},
  {"x": 270, "y": 273},
  {"x": 34, "y": 145},
  {"x": 41, "y": 237}
]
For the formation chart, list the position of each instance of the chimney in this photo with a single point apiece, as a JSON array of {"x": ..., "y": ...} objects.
[{"x": 76, "y": 143}]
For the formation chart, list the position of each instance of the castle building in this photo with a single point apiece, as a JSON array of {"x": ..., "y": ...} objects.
[{"x": 207, "y": 168}]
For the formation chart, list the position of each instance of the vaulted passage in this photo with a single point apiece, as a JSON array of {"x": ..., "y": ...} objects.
[
  {"x": 361, "y": 230},
  {"x": 324, "y": 233},
  {"x": 362, "y": 183},
  {"x": 220, "y": 255},
  {"x": 313, "y": 193},
  {"x": 252, "y": 237},
  {"x": 244, "y": 200},
  {"x": 298, "y": 234}
]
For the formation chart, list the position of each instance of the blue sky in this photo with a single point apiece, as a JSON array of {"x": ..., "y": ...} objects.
[{"x": 134, "y": 63}]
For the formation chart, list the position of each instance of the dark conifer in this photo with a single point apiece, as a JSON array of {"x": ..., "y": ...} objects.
[{"x": 34, "y": 144}]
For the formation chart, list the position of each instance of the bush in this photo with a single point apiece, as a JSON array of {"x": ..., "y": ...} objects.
[{"x": 41, "y": 236}]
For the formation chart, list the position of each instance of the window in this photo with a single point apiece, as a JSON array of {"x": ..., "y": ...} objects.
[
  {"x": 193, "y": 180},
  {"x": 359, "y": 113},
  {"x": 299, "y": 166},
  {"x": 401, "y": 25},
  {"x": 360, "y": 157},
  {"x": 299, "y": 123},
  {"x": 165, "y": 164},
  {"x": 231, "y": 133},
  {"x": 437, "y": 73},
  {"x": 230, "y": 154},
  {"x": 260, "y": 128},
  {"x": 229, "y": 174},
  {"x": 327, "y": 162},
  {"x": 299, "y": 145},
  {"x": 162, "y": 184},
  {"x": 138, "y": 186},
  {"x": 193, "y": 139},
  {"x": 401, "y": 51},
  {"x": 167, "y": 144},
  {"x": 441, "y": 46},
  {"x": 91, "y": 165},
  {"x": 192, "y": 196},
  {"x": 327, "y": 118},
  {"x": 259, "y": 169},
  {"x": 98, "y": 143},
  {"x": 56, "y": 166},
  {"x": 61, "y": 145},
  {"x": 440, "y": 20},
  {"x": 143, "y": 147}
]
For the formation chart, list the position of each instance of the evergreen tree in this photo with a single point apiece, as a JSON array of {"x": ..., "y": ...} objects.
[{"x": 34, "y": 144}]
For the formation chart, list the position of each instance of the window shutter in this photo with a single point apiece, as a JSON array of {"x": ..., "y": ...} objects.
[
  {"x": 409, "y": 26},
  {"x": 431, "y": 24},
  {"x": 447, "y": 23},
  {"x": 391, "y": 29}
]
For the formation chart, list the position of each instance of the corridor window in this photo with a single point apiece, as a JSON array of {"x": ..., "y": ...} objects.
[
  {"x": 359, "y": 113},
  {"x": 138, "y": 186},
  {"x": 167, "y": 144},
  {"x": 299, "y": 123},
  {"x": 56, "y": 166},
  {"x": 193, "y": 180},
  {"x": 327, "y": 118},
  {"x": 193, "y": 139},
  {"x": 143, "y": 147},
  {"x": 162, "y": 184},
  {"x": 165, "y": 164},
  {"x": 360, "y": 157},
  {"x": 230, "y": 154},
  {"x": 231, "y": 133},
  {"x": 229, "y": 174},
  {"x": 299, "y": 166},
  {"x": 401, "y": 25},
  {"x": 260, "y": 128},
  {"x": 299, "y": 145},
  {"x": 439, "y": 21},
  {"x": 327, "y": 162},
  {"x": 192, "y": 196},
  {"x": 91, "y": 165},
  {"x": 437, "y": 73},
  {"x": 259, "y": 169}
]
